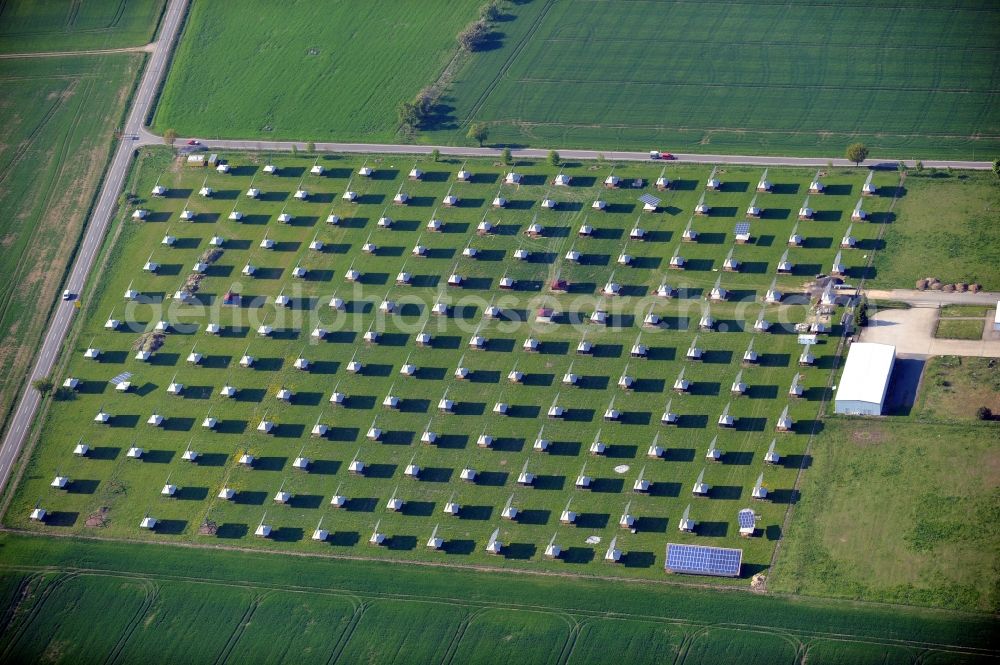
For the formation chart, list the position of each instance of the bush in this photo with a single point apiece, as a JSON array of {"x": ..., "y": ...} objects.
[
  {"x": 43, "y": 385},
  {"x": 64, "y": 394},
  {"x": 474, "y": 36},
  {"x": 984, "y": 413},
  {"x": 170, "y": 136},
  {"x": 435, "y": 155},
  {"x": 554, "y": 158},
  {"x": 505, "y": 156},
  {"x": 491, "y": 11}
]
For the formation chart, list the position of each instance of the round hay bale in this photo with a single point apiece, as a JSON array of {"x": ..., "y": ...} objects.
[
  {"x": 935, "y": 286},
  {"x": 975, "y": 287},
  {"x": 921, "y": 285},
  {"x": 948, "y": 288},
  {"x": 961, "y": 287}
]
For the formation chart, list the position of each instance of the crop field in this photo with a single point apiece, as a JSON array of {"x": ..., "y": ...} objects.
[
  {"x": 385, "y": 413},
  {"x": 57, "y": 116},
  {"x": 236, "y": 605},
  {"x": 71, "y": 25},
  {"x": 343, "y": 75},
  {"x": 799, "y": 78}
]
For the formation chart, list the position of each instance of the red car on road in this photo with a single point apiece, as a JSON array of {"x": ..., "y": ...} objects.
[
  {"x": 194, "y": 142},
  {"x": 656, "y": 154}
]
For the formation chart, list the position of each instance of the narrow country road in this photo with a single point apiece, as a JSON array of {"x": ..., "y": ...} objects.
[
  {"x": 20, "y": 423},
  {"x": 934, "y": 298},
  {"x": 148, "y": 138}
]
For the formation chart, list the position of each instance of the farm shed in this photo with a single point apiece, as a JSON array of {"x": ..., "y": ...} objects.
[{"x": 865, "y": 380}]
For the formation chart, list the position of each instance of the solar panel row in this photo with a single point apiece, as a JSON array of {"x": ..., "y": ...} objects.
[
  {"x": 703, "y": 560},
  {"x": 742, "y": 228}
]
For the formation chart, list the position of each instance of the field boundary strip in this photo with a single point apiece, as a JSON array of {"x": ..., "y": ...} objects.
[{"x": 482, "y": 606}]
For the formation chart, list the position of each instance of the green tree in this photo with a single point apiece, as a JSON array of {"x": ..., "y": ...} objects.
[
  {"x": 996, "y": 167},
  {"x": 554, "y": 158},
  {"x": 64, "y": 394},
  {"x": 435, "y": 155},
  {"x": 409, "y": 115},
  {"x": 43, "y": 385},
  {"x": 491, "y": 11},
  {"x": 505, "y": 156},
  {"x": 170, "y": 136},
  {"x": 474, "y": 36},
  {"x": 857, "y": 153},
  {"x": 478, "y": 131},
  {"x": 311, "y": 147}
]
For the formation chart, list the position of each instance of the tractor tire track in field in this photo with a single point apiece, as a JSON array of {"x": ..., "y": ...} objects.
[
  {"x": 798, "y": 648},
  {"x": 338, "y": 648},
  {"x": 8, "y": 614},
  {"x": 570, "y": 643},
  {"x": 73, "y": 54},
  {"x": 240, "y": 628},
  {"x": 505, "y": 67},
  {"x": 18, "y": 630},
  {"x": 699, "y": 626},
  {"x": 152, "y": 593},
  {"x": 463, "y": 626}
]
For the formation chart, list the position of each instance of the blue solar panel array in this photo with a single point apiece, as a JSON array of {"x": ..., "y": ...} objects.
[
  {"x": 746, "y": 518},
  {"x": 743, "y": 228},
  {"x": 702, "y": 560},
  {"x": 649, "y": 199}
]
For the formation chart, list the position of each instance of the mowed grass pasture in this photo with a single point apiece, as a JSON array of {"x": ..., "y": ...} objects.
[
  {"x": 71, "y": 25},
  {"x": 798, "y": 78},
  {"x": 58, "y": 116},
  {"x": 901, "y": 510},
  {"x": 110, "y": 489},
  {"x": 227, "y": 606},
  {"x": 950, "y": 231}
]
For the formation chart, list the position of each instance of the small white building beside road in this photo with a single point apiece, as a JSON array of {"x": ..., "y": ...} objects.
[
  {"x": 996, "y": 318},
  {"x": 863, "y": 385}
]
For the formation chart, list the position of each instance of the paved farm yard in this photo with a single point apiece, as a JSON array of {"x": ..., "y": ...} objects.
[{"x": 128, "y": 489}]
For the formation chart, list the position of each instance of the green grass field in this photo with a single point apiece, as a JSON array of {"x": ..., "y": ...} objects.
[
  {"x": 128, "y": 489},
  {"x": 27, "y": 26},
  {"x": 342, "y": 75},
  {"x": 955, "y": 387},
  {"x": 963, "y": 311},
  {"x": 57, "y": 116},
  {"x": 960, "y": 329},
  {"x": 948, "y": 231},
  {"x": 233, "y": 605},
  {"x": 726, "y": 77},
  {"x": 898, "y": 511}
]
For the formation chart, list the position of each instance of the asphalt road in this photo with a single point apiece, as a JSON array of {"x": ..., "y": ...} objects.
[
  {"x": 148, "y": 138},
  {"x": 94, "y": 233}
]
